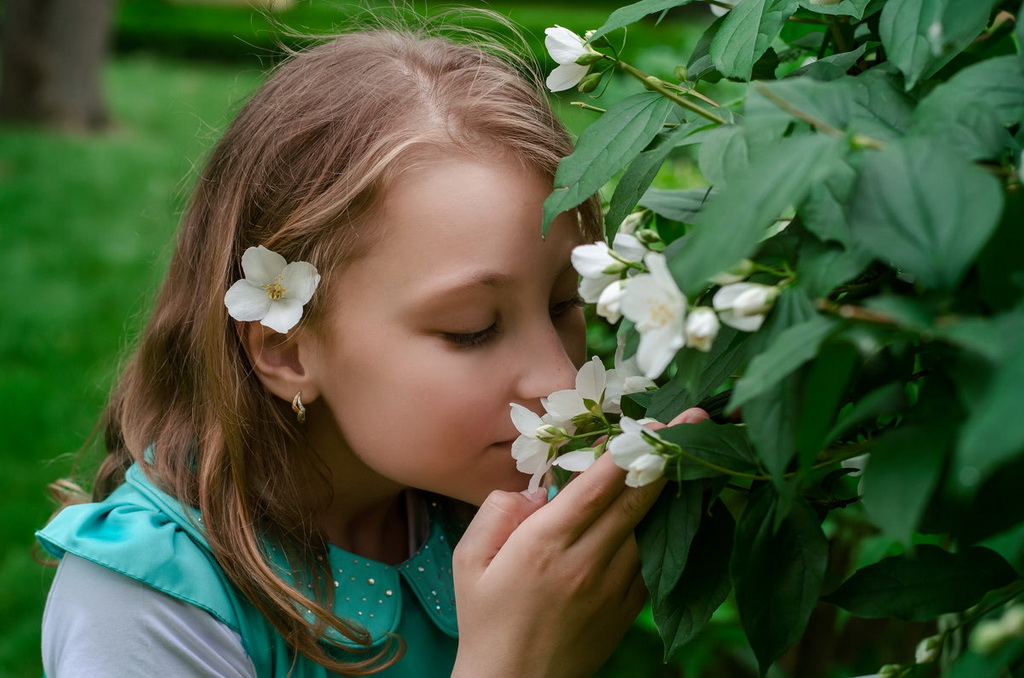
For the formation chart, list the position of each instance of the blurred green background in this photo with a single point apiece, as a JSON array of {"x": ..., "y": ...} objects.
[{"x": 87, "y": 224}]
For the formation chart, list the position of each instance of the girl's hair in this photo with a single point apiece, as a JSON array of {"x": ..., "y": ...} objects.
[{"x": 299, "y": 171}]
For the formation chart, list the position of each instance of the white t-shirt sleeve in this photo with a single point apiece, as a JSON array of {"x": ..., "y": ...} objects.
[{"x": 99, "y": 622}]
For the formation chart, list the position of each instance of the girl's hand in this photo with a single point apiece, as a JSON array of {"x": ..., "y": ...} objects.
[{"x": 549, "y": 589}]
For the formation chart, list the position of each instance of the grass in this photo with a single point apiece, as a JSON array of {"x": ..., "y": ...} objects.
[{"x": 86, "y": 227}]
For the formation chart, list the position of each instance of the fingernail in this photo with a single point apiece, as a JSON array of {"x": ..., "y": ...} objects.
[{"x": 536, "y": 495}]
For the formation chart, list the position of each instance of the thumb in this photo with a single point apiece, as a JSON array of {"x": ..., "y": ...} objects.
[{"x": 495, "y": 521}]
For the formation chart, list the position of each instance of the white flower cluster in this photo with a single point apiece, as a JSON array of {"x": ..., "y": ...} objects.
[
  {"x": 630, "y": 280},
  {"x": 587, "y": 407}
]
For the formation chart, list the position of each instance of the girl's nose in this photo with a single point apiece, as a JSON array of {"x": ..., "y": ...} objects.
[{"x": 547, "y": 365}]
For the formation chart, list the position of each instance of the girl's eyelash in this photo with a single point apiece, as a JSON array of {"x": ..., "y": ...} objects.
[
  {"x": 470, "y": 339},
  {"x": 566, "y": 306}
]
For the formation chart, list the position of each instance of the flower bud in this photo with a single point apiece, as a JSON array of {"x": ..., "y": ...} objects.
[
  {"x": 988, "y": 636},
  {"x": 890, "y": 670},
  {"x": 680, "y": 73},
  {"x": 928, "y": 649},
  {"x": 551, "y": 434},
  {"x": 648, "y": 236},
  {"x": 589, "y": 83},
  {"x": 652, "y": 82},
  {"x": 701, "y": 328},
  {"x": 735, "y": 274},
  {"x": 756, "y": 300},
  {"x": 589, "y": 58}
]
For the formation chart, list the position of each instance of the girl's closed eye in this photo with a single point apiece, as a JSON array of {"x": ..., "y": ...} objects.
[
  {"x": 471, "y": 339},
  {"x": 566, "y": 306}
]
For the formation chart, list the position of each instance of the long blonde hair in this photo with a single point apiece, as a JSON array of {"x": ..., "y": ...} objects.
[{"x": 298, "y": 171}]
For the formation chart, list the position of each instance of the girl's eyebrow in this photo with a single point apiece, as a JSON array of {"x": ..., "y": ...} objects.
[{"x": 459, "y": 283}]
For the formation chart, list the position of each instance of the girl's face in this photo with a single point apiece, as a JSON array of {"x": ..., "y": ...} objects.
[{"x": 459, "y": 310}]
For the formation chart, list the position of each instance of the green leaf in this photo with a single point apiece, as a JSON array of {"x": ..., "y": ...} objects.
[
  {"x": 638, "y": 176},
  {"x": 851, "y": 8},
  {"x": 920, "y": 36},
  {"x": 738, "y": 217},
  {"x": 823, "y": 389},
  {"x": 682, "y": 205},
  {"x": 746, "y": 33},
  {"x": 724, "y": 445},
  {"x": 777, "y": 574},
  {"x": 604, "y": 148},
  {"x": 994, "y": 432},
  {"x": 704, "y": 583},
  {"x": 924, "y": 208},
  {"x": 971, "y": 110},
  {"x": 664, "y": 538},
  {"x": 924, "y": 585},
  {"x": 833, "y": 66},
  {"x": 723, "y": 154},
  {"x": 901, "y": 475},
  {"x": 883, "y": 401},
  {"x": 633, "y": 13},
  {"x": 824, "y": 210},
  {"x": 772, "y": 416},
  {"x": 821, "y": 267},
  {"x": 794, "y": 347}
]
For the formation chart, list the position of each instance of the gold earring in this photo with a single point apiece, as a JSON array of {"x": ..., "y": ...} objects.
[{"x": 298, "y": 408}]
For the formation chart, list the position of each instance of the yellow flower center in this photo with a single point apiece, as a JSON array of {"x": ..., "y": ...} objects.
[
  {"x": 661, "y": 314},
  {"x": 275, "y": 290}
]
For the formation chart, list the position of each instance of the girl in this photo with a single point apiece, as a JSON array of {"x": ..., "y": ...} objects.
[{"x": 322, "y": 396}]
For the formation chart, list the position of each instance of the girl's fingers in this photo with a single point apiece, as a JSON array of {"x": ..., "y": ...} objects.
[
  {"x": 498, "y": 517},
  {"x": 694, "y": 415}
]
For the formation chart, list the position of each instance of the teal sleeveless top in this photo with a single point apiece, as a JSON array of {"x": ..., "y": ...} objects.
[{"x": 144, "y": 533}]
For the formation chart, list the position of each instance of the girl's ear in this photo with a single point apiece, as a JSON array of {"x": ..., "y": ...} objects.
[{"x": 277, "y": 360}]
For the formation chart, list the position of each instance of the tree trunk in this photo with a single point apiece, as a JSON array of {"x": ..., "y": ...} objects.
[{"x": 51, "y": 66}]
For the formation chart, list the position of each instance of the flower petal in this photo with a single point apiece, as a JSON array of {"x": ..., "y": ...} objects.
[
  {"x": 591, "y": 261},
  {"x": 590, "y": 380},
  {"x": 562, "y": 406},
  {"x": 261, "y": 265},
  {"x": 566, "y": 77},
  {"x": 283, "y": 315},
  {"x": 526, "y": 421},
  {"x": 576, "y": 461},
  {"x": 563, "y": 45},
  {"x": 531, "y": 455},
  {"x": 591, "y": 289},
  {"x": 246, "y": 302},
  {"x": 645, "y": 470},
  {"x": 744, "y": 323},
  {"x": 300, "y": 279},
  {"x": 629, "y": 247}
]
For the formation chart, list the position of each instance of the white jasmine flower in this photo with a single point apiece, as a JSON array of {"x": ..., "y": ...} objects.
[
  {"x": 744, "y": 305},
  {"x": 633, "y": 451},
  {"x": 566, "y": 48},
  {"x": 625, "y": 378},
  {"x": 735, "y": 274},
  {"x": 532, "y": 448},
  {"x": 600, "y": 265},
  {"x": 609, "y": 304},
  {"x": 272, "y": 291},
  {"x": 563, "y": 406},
  {"x": 701, "y": 328},
  {"x": 658, "y": 309}
]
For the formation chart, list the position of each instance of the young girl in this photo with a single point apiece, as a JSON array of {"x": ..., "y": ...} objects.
[{"x": 321, "y": 399}]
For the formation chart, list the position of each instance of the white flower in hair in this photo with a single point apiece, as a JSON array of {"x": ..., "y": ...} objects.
[
  {"x": 566, "y": 48},
  {"x": 272, "y": 291}
]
